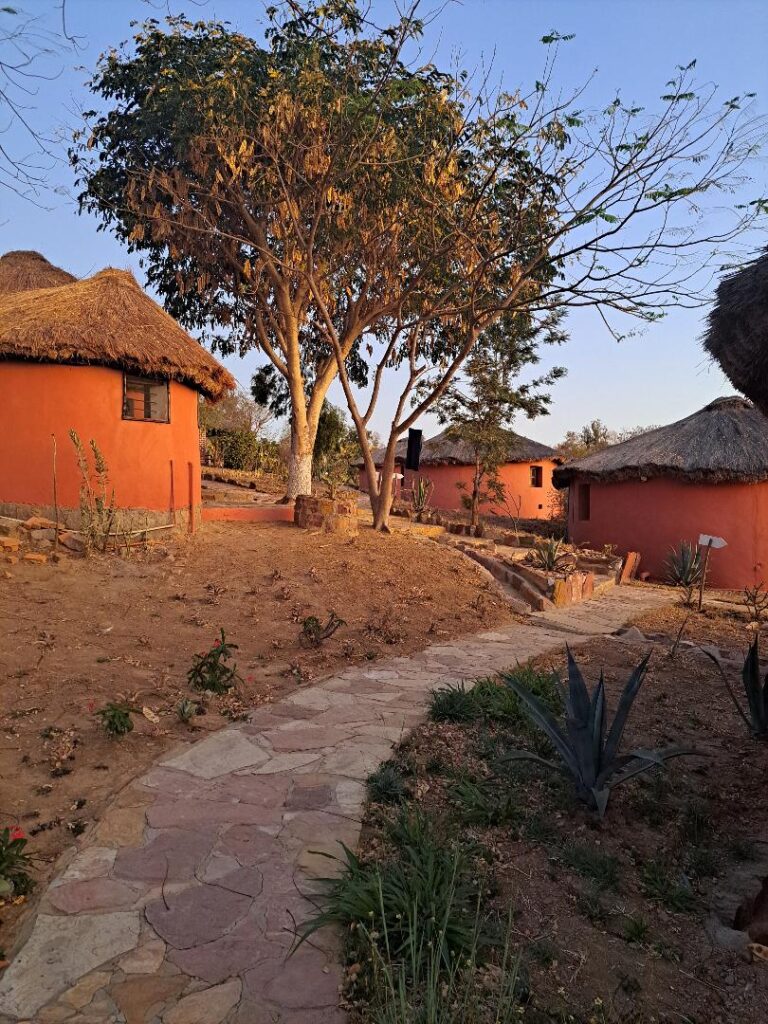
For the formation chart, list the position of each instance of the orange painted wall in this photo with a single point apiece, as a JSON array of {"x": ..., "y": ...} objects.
[
  {"x": 654, "y": 516},
  {"x": 536, "y": 502},
  {"x": 38, "y": 400}
]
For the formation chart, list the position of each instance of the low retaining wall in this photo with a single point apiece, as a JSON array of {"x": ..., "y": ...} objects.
[{"x": 334, "y": 515}]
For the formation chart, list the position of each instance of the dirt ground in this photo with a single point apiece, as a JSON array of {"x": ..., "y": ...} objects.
[
  {"x": 609, "y": 917},
  {"x": 80, "y": 633}
]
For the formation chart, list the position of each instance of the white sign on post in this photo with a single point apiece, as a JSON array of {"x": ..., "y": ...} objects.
[{"x": 706, "y": 541}]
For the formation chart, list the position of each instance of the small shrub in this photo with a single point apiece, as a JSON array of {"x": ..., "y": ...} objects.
[
  {"x": 422, "y": 491},
  {"x": 636, "y": 930},
  {"x": 313, "y": 632},
  {"x": 98, "y": 510},
  {"x": 588, "y": 751},
  {"x": 658, "y": 885},
  {"x": 14, "y": 864},
  {"x": 210, "y": 671},
  {"x": 235, "y": 449},
  {"x": 684, "y": 569},
  {"x": 489, "y": 700},
  {"x": 484, "y": 804},
  {"x": 116, "y": 719},
  {"x": 591, "y": 862},
  {"x": 386, "y": 785}
]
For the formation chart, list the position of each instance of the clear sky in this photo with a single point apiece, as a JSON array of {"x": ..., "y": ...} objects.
[{"x": 633, "y": 45}]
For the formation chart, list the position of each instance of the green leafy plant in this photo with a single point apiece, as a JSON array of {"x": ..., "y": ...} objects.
[
  {"x": 313, "y": 632},
  {"x": 98, "y": 510},
  {"x": 551, "y": 556},
  {"x": 484, "y": 803},
  {"x": 116, "y": 719},
  {"x": 453, "y": 703},
  {"x": 493, "y": 701},
  {"x": 210, "y": 671},
  {"x": 636, "y": 930},
  {"x": 588, "y": 751},
  {"x": 387, "y": 785},
  {"x": 14, "y": 864},
  {"x": 685, "y": 568},
  {"x": 422, "y": 491}
]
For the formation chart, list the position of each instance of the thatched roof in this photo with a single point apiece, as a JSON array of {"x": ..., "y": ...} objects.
[
  {"x": 737, "y": 335},
  {"x": 106, "y": 320},
  {"x": 726, "y": 441},
  {"x": 443, "y": 450},
  {"x": 23, "y": 270}
]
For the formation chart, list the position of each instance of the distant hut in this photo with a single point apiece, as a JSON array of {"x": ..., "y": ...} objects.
[
  {"x": 707, "y": 473},
  {"x": 526, "y": 473},
  {"x": 737, "y": 334},
  {"x": 23, "y": 270},
  {"x": 100, "y": 357}
]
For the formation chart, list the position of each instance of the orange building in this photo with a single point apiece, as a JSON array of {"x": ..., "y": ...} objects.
[
  {"x": 449, "y": 465},
  {"x": 100, "y": 358},
  {"x": 705, "y": 474}
]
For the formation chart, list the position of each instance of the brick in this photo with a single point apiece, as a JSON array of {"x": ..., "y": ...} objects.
[
  {"x": 9, "y": 544},
  {"x": 36, "y": 556}
]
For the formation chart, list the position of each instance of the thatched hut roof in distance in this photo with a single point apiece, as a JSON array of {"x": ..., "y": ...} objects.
[
  {"x": 106, "y": 320},
  {"x": 725, "y": 442},
  {"x": 444, "y": 450},
  {"x": 737, "y": 333},
  {"x": 23, "y": 270}
]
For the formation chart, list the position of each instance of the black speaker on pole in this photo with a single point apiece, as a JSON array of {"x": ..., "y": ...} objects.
[{"x": 413, "y": 453}]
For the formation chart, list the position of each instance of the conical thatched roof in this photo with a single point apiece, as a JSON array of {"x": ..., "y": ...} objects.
[
  {"x": 726, "y": 441},
  {"x": 442, "y": 450},
  {"x": 23, "y": 270},
  {"x": 106, "y": 320},
  {"x": 737, "y": 335}
]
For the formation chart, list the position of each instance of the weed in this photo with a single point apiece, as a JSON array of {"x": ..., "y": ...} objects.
[
  {"x": 636, "y": 930},
  {"x": 186, "y": 710},
  {"x": 659, "y": 885},
  {"x": 590, "y": 904},
  {"x": 210, "y": 671},
  {"x": 695, "y": 828},
  {"x": 543, "y": 952},
  {"x": 484, "y": 804},
  {"x": 116, "y": 719},
  {"x": 538, "y": 828},
  {"x": 313, "y": 632},
  {"x": 97, "y": 500},
  {"x": 591, "y": 862},
  {"x": 453, "y": 703},
  {"x": 386, "y": 785},
  {"x": 14, "y": 864},
  {"x": 422, "y": 491},
  {"x": 490, "y": 701}
]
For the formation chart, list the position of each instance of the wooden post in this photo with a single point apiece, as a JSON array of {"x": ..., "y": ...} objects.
[
  {"x": 704, "y": 567},
  {"x": 55, "y": 497},
  {"x": 173, "y": 496}
]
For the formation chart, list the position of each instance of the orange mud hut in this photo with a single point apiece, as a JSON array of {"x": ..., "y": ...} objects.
[
  {"x": 448, "y": 463},
  {"x": 99, "y": 357},
  {"x": 705, "y": 474}
]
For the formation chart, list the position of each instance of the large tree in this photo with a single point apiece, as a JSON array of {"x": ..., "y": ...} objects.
[{"x": 269, "y": 188}]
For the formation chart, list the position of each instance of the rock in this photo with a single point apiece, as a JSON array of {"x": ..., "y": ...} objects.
[
  {"x": 84, "y": 991},
  {"x": 36, "y": 557},
  {"x": 69, "y": 947},
  {"x": 211, "y": 1005},
  {"x": 38, "y": 535},
  {"x": 93, "y": 894},
  {"x": 632, "y": 635},
  {"x": 137, "y": 997},
  {"x": 220, "y": 754},
  {"x": 10, "y": 544},
  {"x": 38, "y": 523},
  {"x": 147, "y": 959},
  {"x": 197, "y": 915},
  {"x": 72, "y": 542}
]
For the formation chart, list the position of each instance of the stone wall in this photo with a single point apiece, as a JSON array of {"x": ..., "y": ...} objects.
[{"x": 333, "y": 515}]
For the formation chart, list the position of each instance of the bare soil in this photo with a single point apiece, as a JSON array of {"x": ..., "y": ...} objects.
[
  {"x": 615, "y": 951},
  {"x": 81, "y": 633}
]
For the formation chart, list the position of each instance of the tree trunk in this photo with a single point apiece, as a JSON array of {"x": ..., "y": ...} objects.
[
  {"x": 475, "y": 495},
  {"x": 300, "y": 462},
  {"x": 381, "y": 502}
]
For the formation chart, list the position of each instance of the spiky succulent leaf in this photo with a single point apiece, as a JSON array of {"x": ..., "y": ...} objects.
[
  {"x": 545, "y": 720},
  {"x": 623, "y": 711}
]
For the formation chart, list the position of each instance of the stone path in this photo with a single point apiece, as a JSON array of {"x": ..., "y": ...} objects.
[{"x": 179, "y": 906}]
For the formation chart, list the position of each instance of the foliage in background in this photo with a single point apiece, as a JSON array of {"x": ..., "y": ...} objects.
[
  {"x": 589, "y": 752},
  {"x": 98, "y": 510},
  {"x": 422, "y": 491},
  {"x": 685, "y": 567},
  {"x": 210, "y": 670},
  {"x": 236, "y": 411},
  {"x": 480, "y": 405},
  {"x": 595, "y": 436},
  {"x": 14, "y": 864}
]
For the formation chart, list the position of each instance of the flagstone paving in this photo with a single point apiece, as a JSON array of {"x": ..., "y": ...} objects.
[{"x": 180, "y": 906}]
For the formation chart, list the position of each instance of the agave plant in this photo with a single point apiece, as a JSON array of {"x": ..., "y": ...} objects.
[
  {"x": 755, "y": 690},
  {"x": 685, "y": 567},
  {"x": 587, "y": 749},
  {"x": 422, "y": 489},
  {"x": 551, "y": 556}
]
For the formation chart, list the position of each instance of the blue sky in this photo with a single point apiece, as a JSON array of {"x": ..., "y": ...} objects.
[{"x": 633, "y": 46}]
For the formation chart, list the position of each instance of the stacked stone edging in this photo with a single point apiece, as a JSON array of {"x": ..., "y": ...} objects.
[{"x": 333, "y": 515}]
